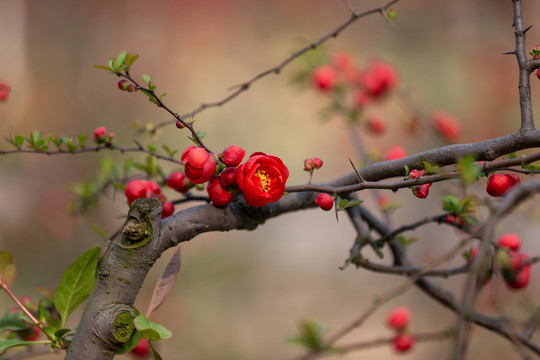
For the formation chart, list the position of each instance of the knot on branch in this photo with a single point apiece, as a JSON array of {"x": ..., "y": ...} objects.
[
  {"x": 138, "y": 229},
  {"x": 113, "y": 325}
]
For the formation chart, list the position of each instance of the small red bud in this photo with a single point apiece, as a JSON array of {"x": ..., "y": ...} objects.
[
  {"x": 121, "y": 84},
  {"x": 168, "y": 209},
  {"x": 421, "y": 191},
  {"x": 376, "y": 125},
  {"x": 324, "y": 201},
  {"x": 324, "y": 77},
  {"x": 498, "y": 185},
  {"x": 403, "y": 342},
  {"x": 399, "y": 318},
  {"x": 131, "y": 88},
  {"x": 394, "y": 153},
  {"x": 4, "y": 91},
  {"x": 510, "y": 241},
  {"x": 142, "y": 349},
  {"x": 179, "y": 124}
]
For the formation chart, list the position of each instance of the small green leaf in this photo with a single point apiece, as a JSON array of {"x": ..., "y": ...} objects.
[
  {"x": 12, "y": 321},
  {"x": 201, "y": 134},
  {"x": 155, "y": 355},
  {"x": 101, "y": 67},
  {"x": 5, "y": 344},
  {"x": 8, "y": 271},
  {"x": 162, "y": 95},
  {"x": 150, "y": 96},
  {"x": 407, "y": 171},
  {"x": 469, "y": 171},
  {"x": 168, "y": 150},
  {"x": 511, "y": 155},
  {"x": 19, "y": 140},
  {"x": 82, "y": 138},
  {"x": 121, "y": 58},
  {"x": 151, "y": 331},
  {"x": 431, "y": 169},
  {"x": 72, "y": 147},
  {"x": 128, "y": 346},
  {"x": 147, "y": 79},
  {"x": 391, "y": 14},
  {"x": 351, "y": 203},
  {"x": 76, "y": 284},
  {"x": 130, "y": 59},
  {"x": 311, "y": 335},
  {"x": 152, "y": 148}
]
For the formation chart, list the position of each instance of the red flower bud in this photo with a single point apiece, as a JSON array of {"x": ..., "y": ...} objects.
[
  {"x": 168, "y": 209},
  {"x": 228, "y": 176},
  {"x": 343, "y": 60},
  {"x": 218, "y": 193},
  {"x": 403, "y": 342},
  {"x": 121, "y": 84},
  {"x": 394, "y": 153},
  {"x": 414, "y": 174},
  {"x": 200, "y": 165},
  {"x": 447, "y": 126},
  {"x": 99, "y": 134},
  {"x": 142, "y": 349},
  {"x": 4, "y": 91},
  {"x": 233, "y": 155},
  {"x": 131, "y": 88},
  {"x": 135, "y": 189},
  {"x": 421, "y": 191},
  {"x": 510, "y": 241},
  {"x": 324, "y": 77},
  {"x": 324, "y": 201},
  {"x": 376, "y": 125},
  {"x": 379, "y": 78},
  {"x": 513, "y": 179},
  {"x": 29, "y": 334},
  {"x": 317, "y": 163},
  {"x": 535, "y": 52},
  {"x": 399, "y": 318},
  {"x": 152, "y": 188},
  {"x": 177, "y": 181},
  {"x": 179, "y": 124},
  {"x": 498, "y": 185},
  {"x": 515, "y": 274}
]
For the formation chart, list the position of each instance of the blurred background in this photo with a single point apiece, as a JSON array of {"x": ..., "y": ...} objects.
[{"x": 240, "y": 295}]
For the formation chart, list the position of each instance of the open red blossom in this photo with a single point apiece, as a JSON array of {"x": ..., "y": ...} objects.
[
  {"x": 233, "y": 155},
  {"x": 200, "y": 164},
  {"x": 324, "y": 201},
  {"x": 4, "y": 91},
  {"x": 324, "y": 77},
  {"x": 447, "y": 126},
  {"x": 218, "y": 192},
  {"x": 262, "y": 179}
]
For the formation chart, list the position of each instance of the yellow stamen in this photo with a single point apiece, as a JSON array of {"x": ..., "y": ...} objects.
[{"x": 265, "y": 180}]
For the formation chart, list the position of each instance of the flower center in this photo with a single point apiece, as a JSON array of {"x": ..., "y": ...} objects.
[{"x": 265, "y": 180}]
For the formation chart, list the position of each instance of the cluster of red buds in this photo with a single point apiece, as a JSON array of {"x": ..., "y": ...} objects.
[
  {"x": 420, "y": 191},
  {"x": 101, "y": 136},
  {"x": 398, "y": 320}
]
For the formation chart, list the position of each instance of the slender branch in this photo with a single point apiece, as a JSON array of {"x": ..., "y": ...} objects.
[
  {"x": 244, "y": 86},
  {"x": 18, "y": 302},
  {"x": 525, "y": 103}
]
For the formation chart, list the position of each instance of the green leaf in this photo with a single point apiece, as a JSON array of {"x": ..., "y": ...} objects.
[
  {"x": 155, "y": 355},
  {"x": 151, "y": 331},
  {"x": 130, "y": 59},
  {"x": 101, "y": 67},
  {"x": 168, "y": 150},
  {"x": 150, "y": 96},
  {"x": 5, "y": 344},
  {"x": 130, "y": 344},
  {"x": 451, "y": 204},
  {"x": 391, "y": 14},
  {"x": 201, "y": 134},
  {"x": 407, "y": 170},
  {"x": 162, "y": 95},
  {"x": 71, "y": 146},
  {"x": 12, "y": 321},
  {"x": 76, "y": 284},
  {"x": 120, "y": 59},
  {"x": 351, "y": 203},
  {"x": 311, "y": 335},
  {"x": 147, "y": 79},
  {"x": 82, "y": 138},
  {"x": 8, "y": 271},
  {"x": 469, "y": 171},
  {"x": 152, "y": 148},
  {"x": 19, "y": 140},
  {"x": 431, "y": 169}
]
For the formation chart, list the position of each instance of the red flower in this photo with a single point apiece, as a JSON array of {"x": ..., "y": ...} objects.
[
  {"x": 218, "y": 192},
  {"x": 510, "y": 241},
  {"x": 379, "y": 78},
  {"x": 4, "y": 91},
  {"x": 403, "y": 342},
  {"x": 99, "y": 134},
  {"x": 177, "y": 181},
  {"x": 262, "y": 179},
  {"x": 376, "y": 125},
  {"x": 228, "y": 176},
  {"x": 137, "y": 189},
  {"x": 142, "y": 349},
  {"x": 200, "y": 165},
  {"x": 324, "y": 201},
  {"x": 233, "y": 155},
  {"x": 324, "y": 77},
  {"x": 399, "y": 318},
  {"x": 394, "y": 153},
  {"x": 499, "y": 184},
  {"x": 447, "y": 126},
  {"x": 168, "y": 209}
]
